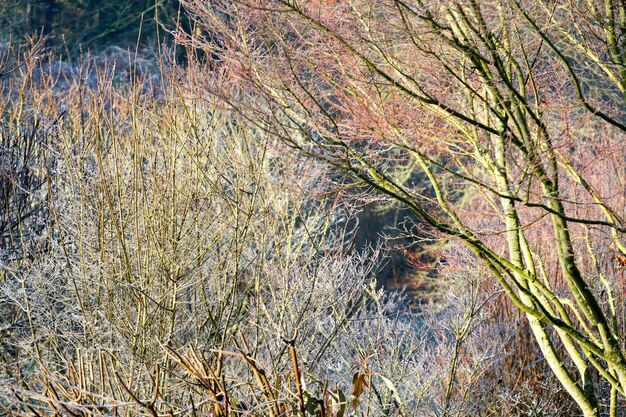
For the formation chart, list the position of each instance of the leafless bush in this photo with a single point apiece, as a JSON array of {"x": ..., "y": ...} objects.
[{"x": 194, "y": 266}]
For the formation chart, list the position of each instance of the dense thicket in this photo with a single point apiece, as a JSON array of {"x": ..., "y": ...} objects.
[
  {"x": 512, "y": 111},
  {"x": 179, "y": 260},
  {"x": 180, "y": 241}
]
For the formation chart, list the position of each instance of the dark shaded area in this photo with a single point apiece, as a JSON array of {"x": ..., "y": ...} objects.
[
  {"x": 76, "y": 24},
  {"x": 409, "y": 266},
  {"x": 25, "y": 174}
]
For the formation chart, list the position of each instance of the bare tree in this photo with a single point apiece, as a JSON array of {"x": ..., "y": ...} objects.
[{"x": 508, "y": 114}]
